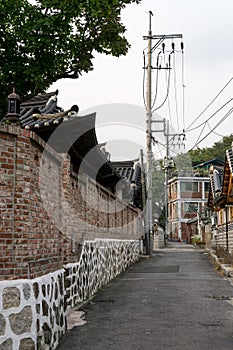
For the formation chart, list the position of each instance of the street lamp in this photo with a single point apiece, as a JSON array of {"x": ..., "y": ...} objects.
[{"x": 13, "y": 110}]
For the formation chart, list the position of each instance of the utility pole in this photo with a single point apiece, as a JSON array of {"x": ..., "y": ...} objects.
[
  {"x": 149, "y": 140},
  {"x": 150, "y": 49},
  {"x": 144, "y": 217},
  {"x": 168, "y": 163},
  {"x": 166, "y": 175}
]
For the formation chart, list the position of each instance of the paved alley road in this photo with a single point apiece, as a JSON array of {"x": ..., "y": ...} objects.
[{"x": 174, "y": 301}]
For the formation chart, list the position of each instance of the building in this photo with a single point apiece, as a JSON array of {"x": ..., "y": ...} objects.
[
  {"x": 187, "y": 197},
  {"x": 220, "y": 203},
  {"x": 131, "y": 173}
]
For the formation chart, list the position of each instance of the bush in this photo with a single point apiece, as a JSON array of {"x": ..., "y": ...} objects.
[{"x": 196, "y": 239}]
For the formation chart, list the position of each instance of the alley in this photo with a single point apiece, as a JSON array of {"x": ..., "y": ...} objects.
[{"x": 175, "y": 300}]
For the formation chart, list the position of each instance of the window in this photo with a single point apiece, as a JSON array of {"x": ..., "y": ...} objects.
[
  {"x": 189, "y": 186},
  {"x": 206, "y": 186},
  {"x": 190, "y": 207},
  {"x": 174, "y": 210},
  {"x": 230, "y": 213},
  {"x": 174, "y": 187}
]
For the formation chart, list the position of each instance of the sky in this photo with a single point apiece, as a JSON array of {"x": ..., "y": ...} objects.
[{"x": 117, "y": 83}]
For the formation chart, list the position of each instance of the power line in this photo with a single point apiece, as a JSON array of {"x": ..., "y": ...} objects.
[
  {"x": 164, "y": 146},
  {"x": 214, "y": 132},
  {"x": 209, "y": 104},
  {"x": 157, "y": 80},
  {"x": 144, "y": 78},
  {"x": 175, "y": 91},
  {"x": 220, "y": 122},
  {"x": 183, "y": 85},
  {"x": 212, "y": 115},
  {"x": 202, "y": 130},
  {"x": 168, "y": 87}
]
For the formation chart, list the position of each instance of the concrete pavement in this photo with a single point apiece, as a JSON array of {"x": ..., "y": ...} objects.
[{"x": 173, "y": 301}]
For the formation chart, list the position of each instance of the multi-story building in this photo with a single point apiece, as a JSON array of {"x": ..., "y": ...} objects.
[{"x": 187, "y": 197}]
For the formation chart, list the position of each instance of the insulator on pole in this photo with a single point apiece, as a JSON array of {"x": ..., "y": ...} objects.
[{"x": 182, "y": 46}]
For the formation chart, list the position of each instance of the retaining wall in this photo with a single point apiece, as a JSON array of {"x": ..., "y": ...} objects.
[
  {"x": 33, "y": 312},
  {"x": 221, "y": 240}
]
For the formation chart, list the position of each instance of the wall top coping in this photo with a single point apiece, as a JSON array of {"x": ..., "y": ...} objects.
[{"x": 18, "y": 282}]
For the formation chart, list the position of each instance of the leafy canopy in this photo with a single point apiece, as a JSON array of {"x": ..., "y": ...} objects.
[
  {"x": 43, "y": 41},
  {"x": 218, "y": 150},
  {"x": 185, "y": 162}
]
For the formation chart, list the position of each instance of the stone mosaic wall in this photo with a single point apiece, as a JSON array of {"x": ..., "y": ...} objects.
[
  {"x": 33, "y": 312},
  {"x": 100, "y": 262}
]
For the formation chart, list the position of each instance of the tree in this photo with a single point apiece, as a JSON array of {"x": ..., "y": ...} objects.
[
  {"x": 47, "y": 40},
  {"x": 218, "y": 150}
]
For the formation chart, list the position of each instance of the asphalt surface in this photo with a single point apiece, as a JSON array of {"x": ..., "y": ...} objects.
[{"x": 174, "y": 301}]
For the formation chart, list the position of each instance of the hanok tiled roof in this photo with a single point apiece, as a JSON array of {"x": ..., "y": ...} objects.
[
  {"x": 42, "y": 115},
  {"x": 42, "y": 111},
  {"x": 215, "y": 161},
  {"x": 130, "y": 170}
]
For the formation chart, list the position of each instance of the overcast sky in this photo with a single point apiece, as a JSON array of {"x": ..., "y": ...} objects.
[{"x": 207, "y": 29}]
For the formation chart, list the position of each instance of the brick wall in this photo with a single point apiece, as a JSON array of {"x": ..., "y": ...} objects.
[{"x": 47, "y": 211}]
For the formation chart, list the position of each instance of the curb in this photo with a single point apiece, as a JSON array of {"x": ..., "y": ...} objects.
[{"x": 225, "y": 269}]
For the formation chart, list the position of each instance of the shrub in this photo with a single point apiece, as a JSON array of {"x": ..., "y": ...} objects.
[{"x": 196, "y": 239}]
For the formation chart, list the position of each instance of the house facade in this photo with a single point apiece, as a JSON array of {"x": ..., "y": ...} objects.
[
  {"x": 220, "y": 203},
  {"x": 187, "y": 198}
]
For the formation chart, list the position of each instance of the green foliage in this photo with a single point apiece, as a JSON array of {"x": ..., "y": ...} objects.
[
  {"x": 218, "y": 150},
  {"x": 183, "y": 165},
  {"x": 50, "y": 39},
  {"x": 158, "y": 190},
  {"x": 184, "y": 162},
  {"x": 196, "y": 238}
]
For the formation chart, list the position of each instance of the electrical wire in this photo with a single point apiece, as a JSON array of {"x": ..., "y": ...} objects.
[
  {"x": 214, "y": 132},
  {"x": 168, "y": 100},
  {"x": 202, "y": 130},
  {"x": 212, "y": 115},
  {"x": 220, "y": 122},
  {"x": 144, "y": 78},
  {"x": 183, "y": 85},
  {"x": 157, "y": 79},
  {"x": 159, "y": 149},
  {"x": 188, "y": 128},
  {"x": 175, "y": 93},
  {"x": 164, "y": 146},
  {"x": 168, "y": 87}
]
